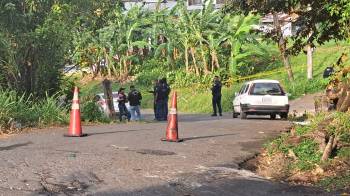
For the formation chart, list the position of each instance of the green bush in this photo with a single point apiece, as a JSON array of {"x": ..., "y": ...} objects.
[
  {"x": 181, "y": 78},
  {"x": 151, "y": 70},
  {"x": 278, "y": 145},
  {"x": 12, "y": 108},
  {"x": 91, "y": 112},
  {"x": 337, "y": 182},
  {"x": 307, "y": 153},
  {"x": 22, "y": 109},
  {"x": 304, "y": 86},
  {"x": 48, "y": 112}
]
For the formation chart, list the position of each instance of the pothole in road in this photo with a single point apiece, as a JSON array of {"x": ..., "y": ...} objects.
[
  {"x": 76, "y": 184},
  {"x": 75, "y": 187},
  {"x": 155, "y": 152}
]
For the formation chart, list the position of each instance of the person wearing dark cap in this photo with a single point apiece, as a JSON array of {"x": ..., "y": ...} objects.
[
  {"x": 135, "y": 98},
  {"x": 122, "y": 99}
]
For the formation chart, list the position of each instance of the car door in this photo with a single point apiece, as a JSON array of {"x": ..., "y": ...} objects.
[
  {"x": 115, "y": 101},
  {"x": 237, "y": 100}
]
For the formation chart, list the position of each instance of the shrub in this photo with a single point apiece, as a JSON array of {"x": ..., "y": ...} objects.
[
  {"x": 307, "y": 153},
  {"x": 151, "y": 70},
  {"x": 90, "y": 111},
  {"x": 181, "y": 78},
  {"x": 26, "y": 112},
  {"x": 48, "y": 112},
  {"x": 304, "y": 86}
]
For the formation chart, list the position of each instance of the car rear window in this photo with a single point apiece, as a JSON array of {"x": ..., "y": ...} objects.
[{"x": 266, "y": 89}]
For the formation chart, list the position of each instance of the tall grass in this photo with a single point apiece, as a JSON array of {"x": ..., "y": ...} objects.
[{"x": 23, "y": 111}]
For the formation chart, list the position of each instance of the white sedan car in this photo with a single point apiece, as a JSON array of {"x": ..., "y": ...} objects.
[
  {"x": 261, "y": 97},
  {"x": 101, "y": 101}
]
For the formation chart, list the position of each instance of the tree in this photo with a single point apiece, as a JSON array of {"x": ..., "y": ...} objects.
[
  {"x": 36, "y": 40},
  {"x": 263, "y": 8},
  {"x": 318, "y": 21}
]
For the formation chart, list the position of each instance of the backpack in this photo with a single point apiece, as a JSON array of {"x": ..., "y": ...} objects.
[{"x": 328, "y": 72}]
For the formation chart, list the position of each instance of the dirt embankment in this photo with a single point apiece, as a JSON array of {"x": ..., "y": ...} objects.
[{"x": 315, "y": 152}]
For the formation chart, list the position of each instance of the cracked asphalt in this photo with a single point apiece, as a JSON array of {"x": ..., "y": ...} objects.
[{"x": 130, "y": 159}]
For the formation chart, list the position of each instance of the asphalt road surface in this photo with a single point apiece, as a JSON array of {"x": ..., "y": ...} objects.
[{"x": 130, "y": 159}]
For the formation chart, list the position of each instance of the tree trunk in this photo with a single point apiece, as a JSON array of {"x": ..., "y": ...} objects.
[
  {"x": 287, "y": 66},
  {"x": 309, "y": 62},
  {"x": 328, "y": 150},
  {"x": 345, "y": 105},
  {"x": 107, "y": 63},
  {"x": 282, "y": 46},
  {"x": 205, "y": 64},
  {"x": 214, "y": 61},
  {"x": 194, "y": 60},
  {"x": 233, "y": 63},
  {"x": 107, "y": 89},
  {"x": 186, "y": 58}
]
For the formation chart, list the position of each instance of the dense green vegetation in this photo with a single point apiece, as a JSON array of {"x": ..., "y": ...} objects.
[
  {"x": 18, "y": 111},
  {"x": 38, "y": 38},
  {"x": 195, "y": 97},
  {"x": 303, "y": 149}
]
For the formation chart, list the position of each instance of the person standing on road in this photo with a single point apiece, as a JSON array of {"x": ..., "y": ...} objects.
[
  {"x": 167, "y": 92},
  {"x": 154, "y": 92},
  {"x": 162, "y": 95},
  {"x": 122, "y": 99},
  {"x": 135, "y": 98},
  {"x": 216, "y": 92}
]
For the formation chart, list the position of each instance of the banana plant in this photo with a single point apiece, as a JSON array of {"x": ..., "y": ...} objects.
[{"x": 238, "y": 32}]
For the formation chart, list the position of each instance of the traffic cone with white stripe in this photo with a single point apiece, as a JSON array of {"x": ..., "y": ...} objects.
[
  {"x": 172, "y": 134},
  {"x": 75, "y": 129}
]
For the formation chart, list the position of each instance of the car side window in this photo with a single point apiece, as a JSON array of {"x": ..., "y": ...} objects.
[
  {"x": 242, "y": 89},
  {"x": 246, "y": 89}
]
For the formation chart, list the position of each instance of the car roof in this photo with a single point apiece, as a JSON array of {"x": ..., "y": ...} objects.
[{"x": 262, "y": 81}]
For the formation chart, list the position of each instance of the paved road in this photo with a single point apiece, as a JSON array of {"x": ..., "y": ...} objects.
[{"x": 130, "y": 159}]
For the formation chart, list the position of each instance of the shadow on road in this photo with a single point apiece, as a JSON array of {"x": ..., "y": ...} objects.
[
  {"x": 112, "y": 132},
  {"x": 209, "y": 136},
  {"x": 11, "y": 147},
  {"x": 224, "y": 187}
]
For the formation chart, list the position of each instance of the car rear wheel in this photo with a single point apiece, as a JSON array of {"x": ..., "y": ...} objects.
[
  {"x": 234, "y": 114},
  {"x": 273, "y": 116},
  {"x": 243, "y": 115},
  {"x": 284, "y": 115}
]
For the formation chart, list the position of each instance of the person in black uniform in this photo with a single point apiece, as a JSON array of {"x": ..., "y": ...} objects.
[
  {"x": 216, "y": 92},
  {"x": 154, "y": 92},
  {"x": 162, "y": 96},
  {"x": 167, "y": 90}
]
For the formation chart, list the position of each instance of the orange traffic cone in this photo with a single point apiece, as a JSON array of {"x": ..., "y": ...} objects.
[
  {"x": 172, "y": 128},
  {"x": 75, "y": 121}
]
